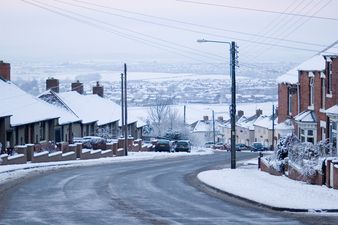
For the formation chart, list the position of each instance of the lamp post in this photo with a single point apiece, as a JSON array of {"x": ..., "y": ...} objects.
[{"x": 233, "y": 63}]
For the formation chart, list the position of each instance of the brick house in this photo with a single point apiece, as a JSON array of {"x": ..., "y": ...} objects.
[
  {"x": 306, "y": 92},
  {"x": 4, "y": 125}
]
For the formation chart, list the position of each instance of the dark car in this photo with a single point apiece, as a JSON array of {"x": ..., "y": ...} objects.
[
  {"x": 162, "y": 146},
  {"x": 242, "y": 147},
  {"x": 256, "y": 146},
  {"x": 182, "y": 146}
]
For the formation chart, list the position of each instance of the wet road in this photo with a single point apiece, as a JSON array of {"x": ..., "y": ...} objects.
[{"x": 143, "y": 192}]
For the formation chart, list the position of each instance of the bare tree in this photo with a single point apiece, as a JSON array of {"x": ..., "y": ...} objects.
[{"x": 158, "y": 114}]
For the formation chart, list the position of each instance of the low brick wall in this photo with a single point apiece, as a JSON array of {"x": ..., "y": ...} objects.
[
  {"x": 55, "y": 156},
  {"x": 40, "y": 157},
  {"x": 78, "y": 150},
  {"x": 95, "y": 154},
  {"x": 328, "y": 172},
  {"x": 62, "y": 146},
  {"x": 85, "y": 154},
  {"x": 107, "y": 153},
  {"x": 295, "y": 174},
  {"x": 265, "y": 167},
  {"x": 21, "y": 149},
  {"x": 120, "y": 152},
  {"x": 30, "y": 151},
  {"x": 11, "y": 160},
  {"x": 335, "y": 176},
  {"x": 68, "y": 156},
  {"x": 72, "y": 148}
]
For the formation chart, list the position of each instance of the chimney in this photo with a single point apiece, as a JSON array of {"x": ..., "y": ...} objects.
[
  {"x": 77, "y": 86},
  {"x": 205, "y": 118},
  {"x": 259, "y": 112},
  {"x": 52, "y": 84},
  {"x": 240, "y": 113},
  {"x": 98, "y": 89},
  {"x": 5, "y": 70},
  {"x": 220, "y": 118}
]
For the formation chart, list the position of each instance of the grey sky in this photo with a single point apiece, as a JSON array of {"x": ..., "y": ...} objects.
[{"x": 29, "y": 32}]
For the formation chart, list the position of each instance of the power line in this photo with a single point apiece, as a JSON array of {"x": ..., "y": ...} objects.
[
  {"x": 185, "y": 23},
  {"x": 258, "y": 10},
  {"x": 110, "y": 30},
  {"x": 238, "y": 39}
]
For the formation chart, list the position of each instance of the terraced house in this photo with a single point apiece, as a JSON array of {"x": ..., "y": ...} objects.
[{"x": 308, "y": 97}]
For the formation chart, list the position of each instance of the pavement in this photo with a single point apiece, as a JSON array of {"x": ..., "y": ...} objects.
[{"x": 273, "y": 192}]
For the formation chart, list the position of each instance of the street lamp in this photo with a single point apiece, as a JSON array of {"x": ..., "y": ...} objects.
[{"x": 233, "y": 63}]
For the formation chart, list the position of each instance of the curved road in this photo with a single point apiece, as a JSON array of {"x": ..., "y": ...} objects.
[{"x": 143, "y": 192}]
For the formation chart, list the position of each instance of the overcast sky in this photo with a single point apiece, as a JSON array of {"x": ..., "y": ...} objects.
[{"x": 162, "y": 30}]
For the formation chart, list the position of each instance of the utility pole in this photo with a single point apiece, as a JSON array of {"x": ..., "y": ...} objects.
[
  {"x": 273, "y": 126},
  {"x": 122, "y": 104},
  {"x": 213, "y": 126},
  {"x": 125, "y": 112},
  {"x": 233, "y": 63},
  {"x": 184, "y": 114}
]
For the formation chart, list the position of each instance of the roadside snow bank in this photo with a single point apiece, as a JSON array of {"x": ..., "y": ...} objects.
[{"x": 274, "y": 191}]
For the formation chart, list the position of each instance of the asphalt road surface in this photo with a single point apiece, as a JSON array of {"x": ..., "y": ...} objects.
[{"x": 144, "y": 192}]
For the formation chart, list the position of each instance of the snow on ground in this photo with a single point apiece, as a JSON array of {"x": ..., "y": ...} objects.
[
  {"x": 281, "y": 192},
  {"x": 12, "y": 172}
]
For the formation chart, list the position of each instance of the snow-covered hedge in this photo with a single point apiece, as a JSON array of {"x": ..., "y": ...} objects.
[{"x": 306, "y": 156}]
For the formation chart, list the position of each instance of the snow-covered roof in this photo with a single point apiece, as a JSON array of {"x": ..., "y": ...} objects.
[
  {"x": 265, "y": 122},
  {"x": 205, "y": 126},
  {"x": 315, "y": 63},
  {"x": 332, "y": 110},
  {"x": 247, "y": 123},
  {"x": 91, "y": 108},
  {"x": 26, "y": 108},
  {"x": 306, "y": 117},
  {"x": 286, "y": 125}
]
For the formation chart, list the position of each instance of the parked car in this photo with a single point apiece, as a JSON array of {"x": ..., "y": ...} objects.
[
  {"x": 220, "y": 146},
  {"x": 242, "y": 147},
  {"x": 163, "y": 145},
  {"x": 209, "y": 144},
  {"x": 182, "y": 146},
  {"x": 91, "y": 142},
  {"x": 257, "y": 146}
]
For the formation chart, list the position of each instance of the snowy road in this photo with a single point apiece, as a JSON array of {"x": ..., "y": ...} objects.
[{"x": 142, "y": 192}]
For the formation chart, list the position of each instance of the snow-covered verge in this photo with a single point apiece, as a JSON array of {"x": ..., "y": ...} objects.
[
  {"x": 272, "y": 191},
  {"x": 12, "y": 172}
]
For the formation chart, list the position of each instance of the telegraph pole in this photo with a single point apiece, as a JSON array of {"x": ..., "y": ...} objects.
[
  {"x": 233, "y": 63},
  {"x": 122, "y": 104},
  {"x": 125, "y": 112},
  {"x": 213, "y": 126}
]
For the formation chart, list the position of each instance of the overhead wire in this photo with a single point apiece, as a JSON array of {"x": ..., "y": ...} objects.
[
  {"x": 110, "y": 30},
  {"x": 187, "y": 23},
  {"x": 297, "y": 27},
  {"x": 258, "y": 10}
]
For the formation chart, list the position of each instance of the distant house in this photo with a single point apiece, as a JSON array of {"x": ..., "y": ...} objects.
[
  {"x": 308, "y": 95},
  {"x": 99, "y": 116},
  {"x": 202, "y": 131},
  {"x": 263, "y": 130},
  {"x": 245, "y": 131}
]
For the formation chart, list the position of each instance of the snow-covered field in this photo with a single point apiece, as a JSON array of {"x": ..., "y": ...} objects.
[
  {"x": 12, "y": 172},
  {"x": 281, "y": 192}
]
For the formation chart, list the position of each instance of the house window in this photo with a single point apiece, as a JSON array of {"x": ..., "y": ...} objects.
[
  {"x": 311, "y": 91},
  {"x": 329, "y": 78},
  {"x": 307, "y": 135},
  {"x": 323, "y": 93}
]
